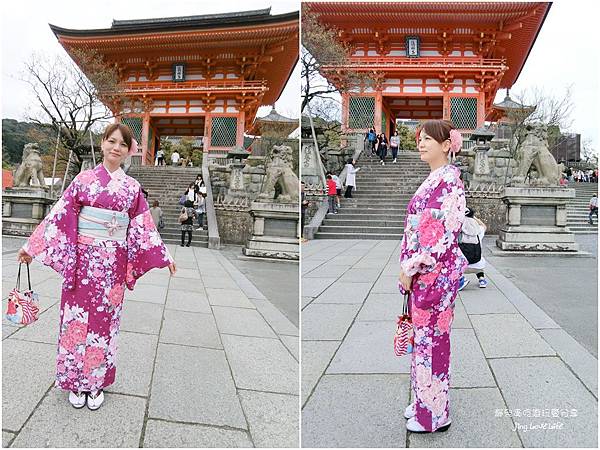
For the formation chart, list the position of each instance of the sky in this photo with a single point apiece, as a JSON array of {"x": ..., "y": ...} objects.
[
  {"x": 25, "y": 30},
  {"x": 564, "y": 54}
]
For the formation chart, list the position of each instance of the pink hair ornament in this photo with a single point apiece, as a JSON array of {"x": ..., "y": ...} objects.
[
  {"x": 455, "y": 141},
  {"x": 133, "y": 148}
]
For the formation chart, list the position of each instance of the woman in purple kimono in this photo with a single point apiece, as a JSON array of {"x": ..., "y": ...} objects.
[
  {"x": 431, "y": 265},
  {"x": 101, "y": 238}
]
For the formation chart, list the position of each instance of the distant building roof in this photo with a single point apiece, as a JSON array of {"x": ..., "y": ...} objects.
[{"x": 223, "y": 20}]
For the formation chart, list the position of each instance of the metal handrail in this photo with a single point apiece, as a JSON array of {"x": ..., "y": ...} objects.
[{"x": 214, "y": 240}]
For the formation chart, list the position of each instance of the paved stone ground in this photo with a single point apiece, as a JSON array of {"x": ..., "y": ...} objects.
[
  {"x": 279, "y": 281},
  {"x": 568, "y": 292},
  {"x": 205, "y": 361},
  {"x": 508, "y": 356}
]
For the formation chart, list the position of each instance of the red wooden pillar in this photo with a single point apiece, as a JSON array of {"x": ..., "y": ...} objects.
[
  {"x": 145, "y": 134},
  {"x": 481, "y": 109},
  {"x": 446, "y": 106},
  {"x": 241, "y": 119},
  {"x": 378, "y": 106},
  {"x": 208, "y": 130},
  {"x": 345, "y": 111}
]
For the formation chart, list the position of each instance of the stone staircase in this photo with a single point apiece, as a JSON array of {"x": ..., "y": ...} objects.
[
  {"x": 577, "y": 209},
  {"x": 167, "y": 184},
  {"x": 378, "y": 206}
]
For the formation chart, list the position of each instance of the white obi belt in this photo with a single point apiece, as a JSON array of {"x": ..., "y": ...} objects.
[{"x": 100, "y": 223}]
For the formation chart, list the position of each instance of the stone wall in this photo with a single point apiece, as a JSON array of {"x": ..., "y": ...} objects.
[
  {"x": 253, "y": 178},
  {"x": 489, "y": 208},
  {"x": 235, "y": 227}
]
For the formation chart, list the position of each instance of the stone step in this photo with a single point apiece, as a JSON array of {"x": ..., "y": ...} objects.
[
  {"x": 334, "y": 220},
  {"x": 195, "y": 242},
  {"x": 360, "y": 229},
  {"x": 375, "y": 212},
  {"x": 379, "y": 237}
]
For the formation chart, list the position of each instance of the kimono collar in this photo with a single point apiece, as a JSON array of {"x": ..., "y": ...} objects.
[{"x": 116, "y": 175}]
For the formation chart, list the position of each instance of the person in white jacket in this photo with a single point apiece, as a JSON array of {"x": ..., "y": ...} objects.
[
  {"x": 350, "y": 177},
  {"x": 472, "y": 232}
]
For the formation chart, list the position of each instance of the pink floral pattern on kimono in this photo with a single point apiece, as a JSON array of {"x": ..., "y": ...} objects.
[
  {"x": 430, "y": 254},
  {"x": 96, "y": 273}
]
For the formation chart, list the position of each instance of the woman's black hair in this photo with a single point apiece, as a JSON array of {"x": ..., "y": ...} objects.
[{"x": 350, "y": 161}]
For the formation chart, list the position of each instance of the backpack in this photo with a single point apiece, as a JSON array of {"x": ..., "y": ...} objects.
[
  {"x": 471, "y": 251},
  {"x": 468, "y": 241},
  {"x": 182, "y": 199},
  {"x": 371, "y": 136},
  {"x": 183, "y": 216}
]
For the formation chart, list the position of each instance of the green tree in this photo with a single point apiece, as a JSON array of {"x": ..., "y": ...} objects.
[{"x": 407, "y": 137}]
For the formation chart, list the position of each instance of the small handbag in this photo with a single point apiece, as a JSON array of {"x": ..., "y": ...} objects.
[
  {"x": 404, "y": 339},
  {"x": 23, "y": 307},
  {"x": 183, "y": 216}
]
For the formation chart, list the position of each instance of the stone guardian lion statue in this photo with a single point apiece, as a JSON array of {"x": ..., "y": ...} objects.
[
  {"x": 534, "y": 153},
  {"x": 279, "y": 171},
  {"x": 30, "y": 168}
]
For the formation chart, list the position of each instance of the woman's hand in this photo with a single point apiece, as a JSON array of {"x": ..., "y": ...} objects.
[
  {"x": 406, "y": 281},
  {"x": 24, "y": 257},
  {"x": 172, "y": 268}
]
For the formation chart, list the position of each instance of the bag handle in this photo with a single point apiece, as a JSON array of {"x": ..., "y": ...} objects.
[
  {"x": 405, "y": 305},
  {"x": 18, "y": 285}
]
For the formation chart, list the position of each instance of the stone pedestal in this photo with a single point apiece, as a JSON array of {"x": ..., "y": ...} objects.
[
  {"x": 275, "y": 231},
  {"x": 312, "y": 169},
  {"x": 23, "y": 208},
  {"x": 537, "y": 220}
]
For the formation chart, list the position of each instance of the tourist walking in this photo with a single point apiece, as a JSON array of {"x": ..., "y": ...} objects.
[
  {"x": 331, "y": 195},
  {"x": 350, "y": 177},
  {"x": 371, "y": 138},
  {"x": 191, "y": 195},
  {"x": 304, "y": 203},
  {"x": 593, "y": 208},
  {"x": 469, "y": 240},
  {"x": 382, "y": 145},
  {"x": 160, "y": 156},
  {"x": 99, "y": 250},
  {"x": 431, "y": 265},
  {"x": 201, "y": 210},
  {"x": 157, "y": 215},
  {"x": 338, "y": 189},
  {"x": 199, "y": 185},
  {"x": 175, "y": 158},
  {"x": 394, "y": 145},
  {"x": 186, "y": 219}
]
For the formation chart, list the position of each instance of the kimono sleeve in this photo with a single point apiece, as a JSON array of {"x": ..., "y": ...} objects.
[
  {"x": 54, "y": 241},
  {"x": 432, "y": 233},
  {"x": 145, "y": 248}
]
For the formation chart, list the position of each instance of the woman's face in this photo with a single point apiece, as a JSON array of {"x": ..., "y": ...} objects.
[
  {"x": 432, "y": 151},
  {"x": 114, "y": 148}
]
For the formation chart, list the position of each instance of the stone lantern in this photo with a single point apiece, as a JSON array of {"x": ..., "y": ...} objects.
[
  {"x": 237, "y": 158},
  {"x": 481, "y": 172}
]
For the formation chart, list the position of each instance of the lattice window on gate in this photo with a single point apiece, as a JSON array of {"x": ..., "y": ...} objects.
[
  {"x": 135, "y": 123},
  {"x": 463, "y": 112},
  {"x": 361, "y": 112},
  {"x": 223, "y": 132}
]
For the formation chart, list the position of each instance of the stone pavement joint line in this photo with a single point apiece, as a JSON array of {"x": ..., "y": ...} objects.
[
  {"x": 508, "y": 355},
  {"x": 181, "y": 380}
]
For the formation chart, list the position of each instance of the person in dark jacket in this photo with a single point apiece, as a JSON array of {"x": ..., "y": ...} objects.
[
  {"x": 187, "y": 226},
  {"x": 382, "y": 146}
]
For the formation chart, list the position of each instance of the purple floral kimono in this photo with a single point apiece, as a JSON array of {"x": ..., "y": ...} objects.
[
  {"x": 430, "y": 254},
  {"x": 96, "y": 272}
]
